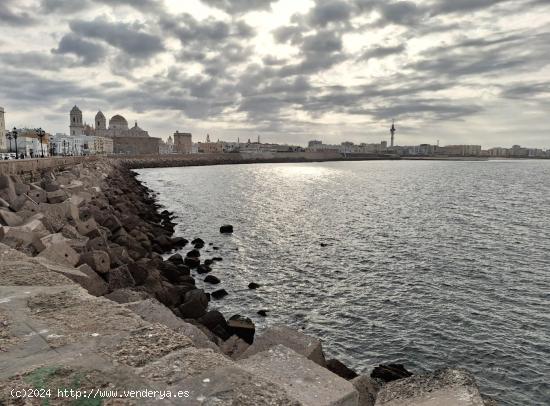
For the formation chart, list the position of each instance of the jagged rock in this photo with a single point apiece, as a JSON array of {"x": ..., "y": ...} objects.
[
  {"x": 212, "y": 279},
  {"x": 192, "y": 262},
  {"x": 216, "y": 323},
  {"x": 390, "y": 372},
  {"x": 99, "y": 261},
  {"x": 242, "y": 327},
  {"x": 219, "y": 294},
  {"x": 338, "y": 368},
  {"x": 226, "y": 229},
  {"x": 253, "y": 285},
  {"x": 198, "y": 243},
  {"x": 139, "y": 272}
]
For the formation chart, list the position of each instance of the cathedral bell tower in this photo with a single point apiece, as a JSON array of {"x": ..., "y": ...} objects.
[{"x": 76, "y": 126}]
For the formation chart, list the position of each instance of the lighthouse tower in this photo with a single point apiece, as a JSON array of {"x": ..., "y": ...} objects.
[{"x": 392, "y": 132}]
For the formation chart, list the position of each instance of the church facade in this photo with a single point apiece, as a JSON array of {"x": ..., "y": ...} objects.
[{"x": 128, "y": 141}]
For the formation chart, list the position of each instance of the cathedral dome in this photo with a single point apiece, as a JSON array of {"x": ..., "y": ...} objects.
[{"x": 118, "y": 122}]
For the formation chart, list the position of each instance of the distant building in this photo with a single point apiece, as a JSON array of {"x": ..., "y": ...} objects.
[
  {"x": 460, "y": 150},
  {"x": 183, "y": 143},
  {"x": 209, "y": 147},
  {"x": 29, "y": 145},
  {"x": 348, "y": 147},
  {"x": 3, "y": 140},
  {"x": 166, "y": 147},
  {"x": 125, "y": 140}
]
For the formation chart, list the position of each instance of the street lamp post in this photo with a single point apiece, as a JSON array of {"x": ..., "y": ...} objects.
[
  {"x": 14, "y": 134},
  {"x": 40, "y": 134},
  {"x": 9, "y": 137}
]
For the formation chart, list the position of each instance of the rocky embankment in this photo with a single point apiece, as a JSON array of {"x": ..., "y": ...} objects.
[{"x": 87, "y": 302}]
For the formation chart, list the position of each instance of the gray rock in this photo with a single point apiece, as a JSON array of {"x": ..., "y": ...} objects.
[
  {"x": 368, "y": 389},
  {"x": 99, "y": 261},
  {"x": 449, "y": 387},
  {"x": 9, "y": 218},
  {"x": 307, "y": 346},
  {"x": 61, "y": 253},
  {"x": 302, "y": 379}
]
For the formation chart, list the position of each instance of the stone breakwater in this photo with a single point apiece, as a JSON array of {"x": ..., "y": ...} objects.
[{"x": 88, "y": 302}]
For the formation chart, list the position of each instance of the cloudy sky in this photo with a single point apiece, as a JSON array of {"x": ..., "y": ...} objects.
[{"x": 458, "y": 71}]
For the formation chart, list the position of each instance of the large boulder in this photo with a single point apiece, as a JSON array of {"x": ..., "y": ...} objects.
[
  {"x": 61, "y": 253},
  {"x": 119, "y": 278},
  {"x": 216, "y": 323},
  {"x": 368, "y": 389},
  {"x": 449, "y": 387},
  {"x": 308, "y": 346},
  {"x": 8, "y": 218},
  {"x": 242, "y": 327},
  {"x": 337, "y": 367},
  {"x": 58, "y": 196},
  {"x": 194, "y": 305}
]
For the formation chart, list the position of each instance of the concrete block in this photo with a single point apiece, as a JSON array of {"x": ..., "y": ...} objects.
[
  {"x": 21, "y": 188},
  {"x": 302, "y": 379},
  {"x": 61, "y": 253},
  {"x": 88, "y": 228},
  {"x": 233, "y": 347},
  {"x": 17, "y": 203},
  {"x": 368, "y": 389},
  {"x": 307, "y": 346},
  {"x": 54, "y": 239},
  {"x": 449, "y": 387},
  {"x": 119, "y": 278},
  {"x": 99, "y": 261},
  {"x": 58, "y": 196},
  {"x": 21, "y": 239},
  {"x": 55, "y": 215},
  {"x": 38, "y": 195},
  {"x": 9, "y": 218},
  {"x": 234, "y": 386},
  {"x": 127, "y": 295}
]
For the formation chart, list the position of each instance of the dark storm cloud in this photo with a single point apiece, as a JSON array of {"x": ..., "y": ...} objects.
[
  {"x": 240, "y": 6},
  {"x": 89, "y": 52},
  {"x": 462, "y": 6},
  {"x": 401, "y": 12},
  {"x": 382, "y": 52},
  {"x": 127, "y": 37},
  {"x": 527, "y": 91}
]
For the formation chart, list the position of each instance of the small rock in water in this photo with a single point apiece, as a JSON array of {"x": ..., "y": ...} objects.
[
  {"x": 226, "y": 229},
  {"x": 216, "y": 248},
  {"x": 217, "y": 259},
  {"x": 263, "y": 312},
  {"x": 219, "y": 294},
  {"x": 242, "y": 327},
  {"x": 176, "y": 259},
  {"x": 208, "y": 262},
  {"x": 198, "y": 243},
  {"x": 253, "y": 285},
  {"x": 338, "y": 368},
  {"x": 324, "y": 244},
  {"x": 202, "y": 269},
  {"x": 390, "y": 372},
  {"x": 194, "y": 254},
  {"x": 211, "y": 279}
]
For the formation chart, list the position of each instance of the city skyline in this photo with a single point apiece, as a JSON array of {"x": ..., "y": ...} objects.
[{"x": 291, "y": 71}]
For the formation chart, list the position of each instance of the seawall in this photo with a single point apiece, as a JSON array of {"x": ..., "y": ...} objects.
[{"x": 89, "y": 302}]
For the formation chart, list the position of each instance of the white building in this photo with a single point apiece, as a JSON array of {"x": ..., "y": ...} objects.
[
  {"x": 77, "y": 145},
  {"x": 3, "y": 140},
  {"x": 29, "y": 145}
]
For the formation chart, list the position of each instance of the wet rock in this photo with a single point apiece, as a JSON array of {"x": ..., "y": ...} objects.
[
  {"x": 203, "y": 269},
  {"x": 176, "y": 259},
  {"x": 212, "y": 279},
  {"x": 262, "y": 313},
  {"x": 242, "y": 327},
  {"x": 194, "y": 305},
  {"x": 198, "y": 243},
  {"x": 324, "y": 244},
  {"x": 217, "y": 259},
  {"x": 390, "y": 372},
  {"x": 253, "y": 285},
  {"x": 192, "y": 262},
  {"x": 208, "y": 262},
  {"x": 138, "y": 271},
  {"x": 216, "y": 323},
  {"x": 219, "y": 294},
  {"x": 179, "y": 242},
  {"x": 226, "y": 229},
  {"x": 338, "y": 368},
  {"x": 193, "y": 254}
]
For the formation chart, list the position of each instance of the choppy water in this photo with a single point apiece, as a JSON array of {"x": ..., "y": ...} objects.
[{"x": 429, "y": 264}]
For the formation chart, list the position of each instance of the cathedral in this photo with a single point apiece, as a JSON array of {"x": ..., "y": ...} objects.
[{"x": 134, "y": 141}]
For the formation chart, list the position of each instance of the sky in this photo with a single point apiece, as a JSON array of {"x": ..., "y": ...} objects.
[{"x": 289, "y": 71}]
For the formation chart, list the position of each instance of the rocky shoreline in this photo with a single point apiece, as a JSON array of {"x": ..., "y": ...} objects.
[{"x": 95, "y": 224}]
